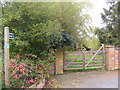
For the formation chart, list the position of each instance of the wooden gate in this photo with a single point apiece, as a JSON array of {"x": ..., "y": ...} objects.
[{"x": 76, "y": 60}]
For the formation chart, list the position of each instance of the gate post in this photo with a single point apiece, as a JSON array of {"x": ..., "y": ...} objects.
[
  {"x": 59, "y": 61},
  {"x": 111, "y": 61}
]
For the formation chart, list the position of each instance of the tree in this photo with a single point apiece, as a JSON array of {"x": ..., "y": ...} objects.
[
  {"x": 111, "y": 19},
  {"x": 37, "y": 27}
]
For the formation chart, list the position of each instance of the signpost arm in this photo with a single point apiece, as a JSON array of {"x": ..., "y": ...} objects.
[{"x": 6, "y": 54}]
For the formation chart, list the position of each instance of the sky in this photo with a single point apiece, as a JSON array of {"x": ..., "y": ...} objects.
[{"x": 95, "y": 11}]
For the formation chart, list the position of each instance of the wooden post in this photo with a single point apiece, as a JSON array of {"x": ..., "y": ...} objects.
[
  {"x": 93, "y": 58},
  {"x": 83, "y": 54},
  {"x": 59, "y": 61},
  {"x": 64, "y": 59},
  {"x": 104, "y": 62},
  {"x": 6, "y": 54}
]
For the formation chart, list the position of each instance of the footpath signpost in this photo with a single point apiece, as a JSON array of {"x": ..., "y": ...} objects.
[
  {"x": 7, "y": 36},
  {"x": 11, "y": 36},
  {"x": 6, "y": 54}
]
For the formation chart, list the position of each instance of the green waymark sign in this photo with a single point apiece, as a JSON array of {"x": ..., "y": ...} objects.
[{"x": 11, "y": 36}]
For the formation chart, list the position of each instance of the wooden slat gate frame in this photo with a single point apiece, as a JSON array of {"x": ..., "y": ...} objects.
[
  {"x": 84, "y": 59},
  {"x": 95, "y": 55},
  {"x": 71, "y": 61},
  {"x": 64, "y": 60}
]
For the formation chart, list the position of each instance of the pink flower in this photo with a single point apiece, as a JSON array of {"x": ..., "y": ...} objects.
[
  {"x": 20, "y": 75},
  {"x": 23, "y": 72},
  {"x": 46, "y": 71},
  {"x": 51, "y": 51},
  {"x": 16, "y": 68},
  {"x": 41, "y": 64},
  {"x": 12, "y": 65},
  {"x": 28, "y": 82},
  {"x": 30, "y": 71},
  {"x": 13, "y": 61},
  {"x": 13, "y": 72},
  {"x": 40, "y": 75},
  {"x": 3, "y": 78},
  {"x": 35, "y": 56},
  {"x": 24, "y": 65},
  {"x": 31, "y": 81},
  {"x": 36, "y": 78},
  {"x": 21, "y": 66},
  {"x": 16, "y": 76}
]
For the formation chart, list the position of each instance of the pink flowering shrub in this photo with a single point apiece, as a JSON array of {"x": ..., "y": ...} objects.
[
  {"x": 25, "y": 72},
  {"x": 51, "y": 51}
]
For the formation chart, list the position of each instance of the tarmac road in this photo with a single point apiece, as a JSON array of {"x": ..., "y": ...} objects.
[{"x": 89, "y": 79}]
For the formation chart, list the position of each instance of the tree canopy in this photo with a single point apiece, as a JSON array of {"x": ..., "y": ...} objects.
[
  {"x": 109, "y": 34},
  {"x": 39, "y": 25}
]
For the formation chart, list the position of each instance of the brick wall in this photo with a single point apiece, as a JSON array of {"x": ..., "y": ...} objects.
[{"x": 112, "y": 57}]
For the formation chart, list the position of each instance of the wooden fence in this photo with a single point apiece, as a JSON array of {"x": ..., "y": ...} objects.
[{"x": 76, "y": 60}]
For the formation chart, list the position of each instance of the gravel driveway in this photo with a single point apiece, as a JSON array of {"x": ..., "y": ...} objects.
[{"x": 91, "y": 79}]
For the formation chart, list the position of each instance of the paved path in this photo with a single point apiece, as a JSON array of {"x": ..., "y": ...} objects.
[{"x": 91, "y": 79}]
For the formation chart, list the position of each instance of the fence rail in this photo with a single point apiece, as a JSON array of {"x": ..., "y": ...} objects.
[{"x": 76, "y": 60}]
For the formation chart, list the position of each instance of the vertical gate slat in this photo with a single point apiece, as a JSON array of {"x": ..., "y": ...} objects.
[
  {"x": 104, "y": 57},
  {"x": 93, "y": 59},
  {"x": 64, "y": 60},
  {"x": 83, "y": 55}
]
